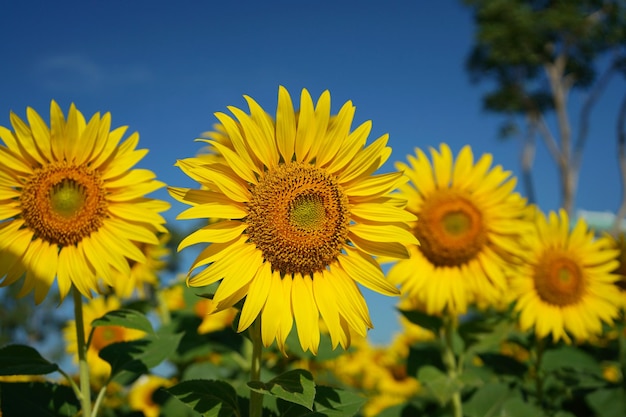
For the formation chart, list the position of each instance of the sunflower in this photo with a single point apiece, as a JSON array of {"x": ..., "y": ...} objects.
[
  {"x": 142, "y": 274},
  {"x": 566, "y": 284},
  {"x": 102, "y": 335},
  {"x": 299, "y": 218},
  {"x": 619, "y": 242},
  {"x": 142, "y": 392},
  {"x": 213, "y": 321},
  {"x": 71, "y": 207},
  {"x": 468, "y": 221}
]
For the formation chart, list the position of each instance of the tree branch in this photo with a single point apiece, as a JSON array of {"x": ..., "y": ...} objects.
[
  {"x": 549, "y": 139},
  {"x": 528, "y": 157},
  {"x": 585, "y": 113},
  {"x": 621, "y": 154}
]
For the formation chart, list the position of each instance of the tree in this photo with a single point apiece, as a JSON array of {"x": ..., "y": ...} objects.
[{"x": 537, "y": 52}]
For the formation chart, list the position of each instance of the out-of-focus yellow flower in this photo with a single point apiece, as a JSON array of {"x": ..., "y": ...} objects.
[
  {"x": 142, "y": 274},
  {"x": 174, "y": 297},
  {"x": 102, "y": 336},
  {"x": 619, "y": 243},
  {"x": 141, "y": 395},
  {"x": 515, "y": 351},
  {"x": 378, "y": 372},
  {"x": 212, "y": 320},
  {"x": 612, "y": 372},
  {"x": 21, "y": 378},
  {"x": 566, "y": 284},
  {"x": 468, "y": 221}
]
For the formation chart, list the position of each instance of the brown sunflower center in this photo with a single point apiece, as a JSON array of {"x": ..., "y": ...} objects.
[
  {"x": 298, "y": 217},
  {"x": 63, "y": 203},
  {"x": 105, "y": 335},
  {"x": 450, "y": 229},
  {"x": 559, "y": 280}
]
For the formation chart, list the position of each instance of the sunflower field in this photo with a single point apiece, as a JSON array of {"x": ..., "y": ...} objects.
[{"x": 504, "y": 310}]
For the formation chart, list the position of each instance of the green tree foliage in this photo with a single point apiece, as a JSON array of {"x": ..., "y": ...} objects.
[{"x": 537, "y": 52}]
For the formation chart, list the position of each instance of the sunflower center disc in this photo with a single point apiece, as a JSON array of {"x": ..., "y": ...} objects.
[
  {"x": 67, "y": 198},
  {"x": 298, "y": 217},
  {"x": 105, "y": 335},
  {"x": 558, "y": 279},
  {"x": 63, "y": 203},
  {"x": 450, "y": 229}
]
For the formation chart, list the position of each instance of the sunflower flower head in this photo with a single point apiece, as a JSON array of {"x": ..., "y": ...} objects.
[
  {"x": 619, "y": 242},
  {"x": 72, "y": 206},
  {"x": 566, "y": 284},
  {"x": 143, "y": 275},
  {"x": 300, "y": 217},
  {"x": 142, "y": 393},
  {"x": 469, "y": 219}
]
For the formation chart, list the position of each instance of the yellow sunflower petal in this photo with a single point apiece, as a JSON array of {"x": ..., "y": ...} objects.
[
  {"x": 286, "y": 125},
  {"x": 305, "y": 312},
  {"x": 259, "y": 291},
  {"x": 366, "y": 272}
]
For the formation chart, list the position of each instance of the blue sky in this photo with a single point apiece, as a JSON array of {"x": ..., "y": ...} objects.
[{"x": 163, "y": 68}]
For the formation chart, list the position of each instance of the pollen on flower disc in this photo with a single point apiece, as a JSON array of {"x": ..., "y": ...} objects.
[
  {"x": 63, "y": 203},
  {"x": 450, "y": 229},
  {"x": 298, "y": 218},
  {"x": 558, "y": 279}
]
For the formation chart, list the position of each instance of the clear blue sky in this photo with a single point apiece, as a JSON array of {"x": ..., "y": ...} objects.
[{"x": 163, "y": 68}]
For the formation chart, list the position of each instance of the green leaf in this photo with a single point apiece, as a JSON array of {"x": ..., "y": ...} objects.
[
  {"x": 295, "y": 386},
  {"x": 440, "y": 385},
  {"x": 609, "y": 402},
  {"x": 432, "y": 323},
  {"x": 422, "y": 354},
  {"x": 130, "y": 319},
  {"x": 41, "y": 399},
  {"x": 207, "y": 397},
  {"x": 138, "y": 356},
  {"x": 503, "y": 364},
  {"x": 481, "y": 334},
  {"x": 329, "y": 402},
  {"x": 517, "y": 407},
  {"x": 570, "y": 357},
  {"x": 24, "y": 360},
  {"x": 401, "y": 410},
  {"x": 487, "y": 400}
]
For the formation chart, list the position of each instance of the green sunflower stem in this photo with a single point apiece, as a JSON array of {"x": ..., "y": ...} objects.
[
  {"x": 450, "y": 362},
  {"x": 538, "y": 375},
  {"x": 256, "y": 398},
  {"x": 81, "y": 348}
]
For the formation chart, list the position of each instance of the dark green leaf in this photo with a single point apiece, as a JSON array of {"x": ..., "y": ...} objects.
[
  {"x": 329, "y": 402},
  {"x": 130, "y": 319},
  {"x": 24, "y": 360},
  {"x": 517, "y": 407},
  {"x": 503, "y": 364},
  {"x": 400, "y": 410},
  {"x": 41, "y": 399},
  {"x": 138, "y": 356},
  {"x": 439, "y": 385},
  {"x": 425, "y": 353},
  {"x": 609, "y": 402},
  {"x": 481, "y": 334},
  {"x": 209, "y": 398},
  {"x": 569, "y": 357},
  {"x": 487, "y": 400},
  {"x": 432, "y": 323},
  {"x": 295, "y": 386}
]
